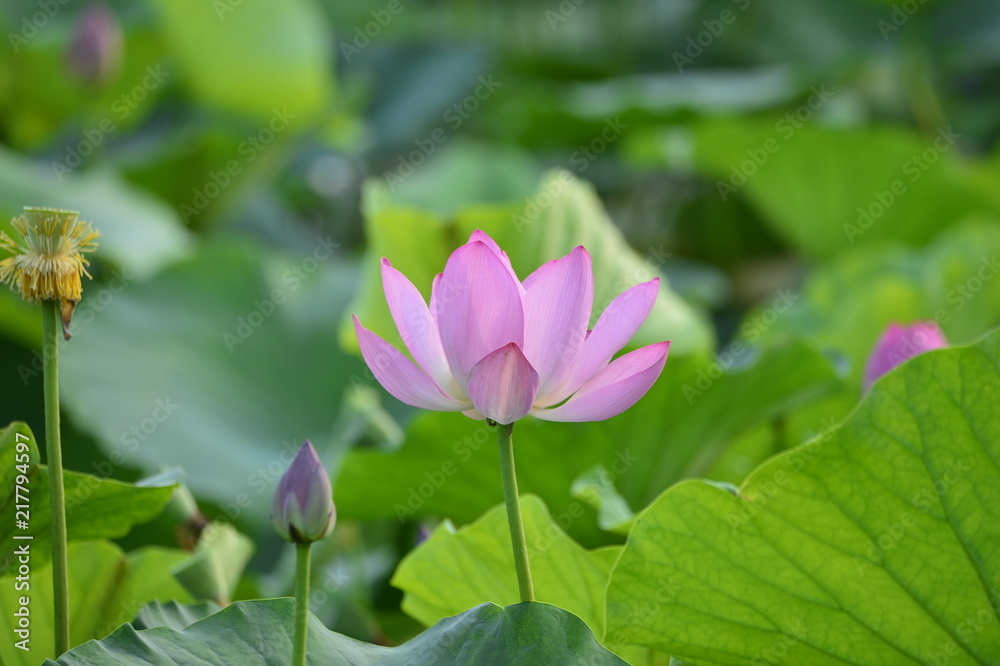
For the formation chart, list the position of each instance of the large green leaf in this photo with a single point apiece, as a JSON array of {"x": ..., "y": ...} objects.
[
  {"x": 456, "y": 569},
  {"x": 810, "y": 181},
  {"x": 222, "y": 365},
  {"x": 259, "y": 632},
  {"x": 876, "y": 544},
  {"x": 96, "y": 507},
  {"x": 565, "y": 212},
  {"x": 251, "y": 57},
  {"x": 448, "y": 465},
  {"x": 107, "y": 588}
]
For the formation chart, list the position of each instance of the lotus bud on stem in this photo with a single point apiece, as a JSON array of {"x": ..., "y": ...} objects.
[{"x": 303, "y": 512}]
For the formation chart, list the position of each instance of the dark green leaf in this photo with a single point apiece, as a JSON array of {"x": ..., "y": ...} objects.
[
  {"x": 253, "y": 633},
  {"x": 174, "y": 615},
  {"x": 96, "y": 507}
]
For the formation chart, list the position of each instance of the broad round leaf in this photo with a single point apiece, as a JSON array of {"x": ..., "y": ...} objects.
[
  {"x": 874, "y": 545},
  {"x": 252, "y": 633}
]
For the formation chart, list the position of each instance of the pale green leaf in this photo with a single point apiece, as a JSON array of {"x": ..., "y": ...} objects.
[
  {"x": 252, "y": 57},
  {"x": 456, "y": 569},
  {"x": 107, "y": 588}
]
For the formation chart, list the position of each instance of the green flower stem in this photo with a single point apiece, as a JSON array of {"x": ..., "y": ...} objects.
[
  {"x": 513, "y": 502},
  {"x": 51, "y": 327},
  {"x": 301, "y": 603}
]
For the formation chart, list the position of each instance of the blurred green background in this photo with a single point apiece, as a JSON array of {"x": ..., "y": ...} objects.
[{"x": 801, "y": 174}]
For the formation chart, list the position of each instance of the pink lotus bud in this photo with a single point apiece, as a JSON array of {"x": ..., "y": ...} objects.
[
  {"x": 303, "y": 509},
  {"x": 95, "y": 52},
  {"x": 901, "y": 343}
]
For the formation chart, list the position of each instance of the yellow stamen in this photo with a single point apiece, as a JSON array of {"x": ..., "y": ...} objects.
[{"x": 48, "y": 262}]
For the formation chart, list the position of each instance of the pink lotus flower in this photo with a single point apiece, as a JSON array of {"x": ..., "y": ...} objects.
[
  {"x": 901, "y": 343},
  {"x": 493, "y": 347}
]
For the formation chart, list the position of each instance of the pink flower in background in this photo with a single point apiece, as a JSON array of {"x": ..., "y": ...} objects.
[
  {"x": 95, "y": 50},
  {"x": 900, "y": 343},
  {"x": 491, "y": 346}
]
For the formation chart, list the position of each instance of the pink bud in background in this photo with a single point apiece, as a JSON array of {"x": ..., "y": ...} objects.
[
  {"x": 303, "y": 509},
  {"x": 900, "y": 343},
  {"x": 95, "y": 50},
  {"x": 491, "y": 346}
]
